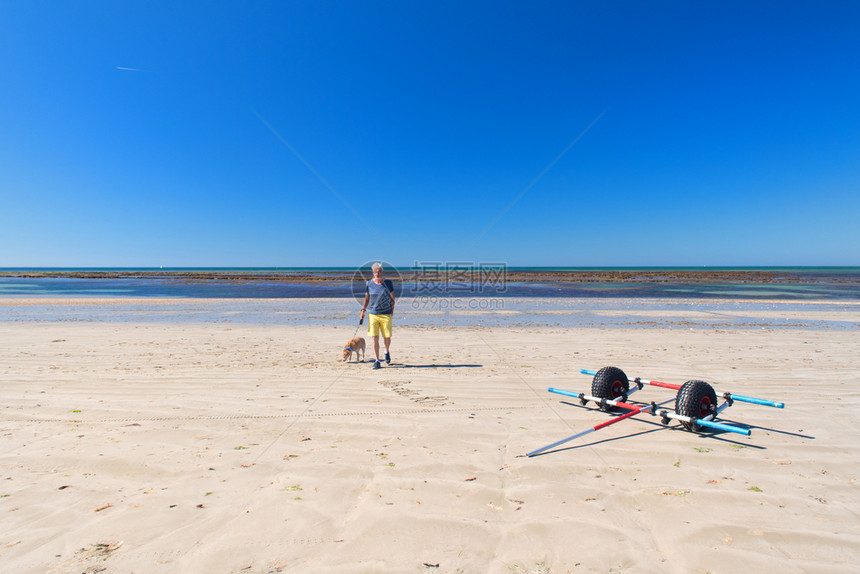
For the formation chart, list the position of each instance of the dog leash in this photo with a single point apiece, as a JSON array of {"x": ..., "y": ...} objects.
[{"x": 360, "y": 321}]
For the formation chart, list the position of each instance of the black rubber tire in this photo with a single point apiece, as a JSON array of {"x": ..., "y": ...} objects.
[
  {"x": 696, "y": 399},
  {"x": 610, "y": 383}
]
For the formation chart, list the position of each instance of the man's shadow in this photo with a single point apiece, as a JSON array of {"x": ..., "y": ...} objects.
[{"x": 432, "y": 366}]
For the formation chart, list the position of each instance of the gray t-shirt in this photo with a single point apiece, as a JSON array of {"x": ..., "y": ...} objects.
[{"x": 380, "y": 298}]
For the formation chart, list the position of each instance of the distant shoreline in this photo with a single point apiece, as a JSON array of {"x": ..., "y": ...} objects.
[{"x": 787, "y": 276}]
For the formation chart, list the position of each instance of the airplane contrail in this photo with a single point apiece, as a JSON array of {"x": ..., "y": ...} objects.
[{"x": 129, "y": 69}]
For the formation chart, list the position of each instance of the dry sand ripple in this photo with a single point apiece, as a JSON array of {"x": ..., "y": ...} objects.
[{"x": 132, "y": 447}]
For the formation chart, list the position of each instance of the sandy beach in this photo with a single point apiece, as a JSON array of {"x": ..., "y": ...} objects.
[{"x": 194, "y": 446}]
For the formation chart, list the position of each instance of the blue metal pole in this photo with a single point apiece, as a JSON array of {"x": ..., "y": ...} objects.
[
  {"x": 705, "y": 422},
  {"x": 559, "y": 442},
  {"x": 755, "y": 401},
  {"x": 719, "y": 426},
  {"x": 563, "y": 392}
]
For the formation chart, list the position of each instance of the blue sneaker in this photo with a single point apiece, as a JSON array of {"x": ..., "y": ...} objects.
[
  {"x": 387, "y": 358},
  {"x": 376, "y": 364}
]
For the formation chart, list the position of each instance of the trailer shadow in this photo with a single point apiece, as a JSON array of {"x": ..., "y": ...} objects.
[
  {"x": 717, "y": 435},
  {"x": 712, "y": 434},
  {"x": 579, "y": 446},
  {"x": 707, "y": 432},
  {"x": 767, "y": 429}
]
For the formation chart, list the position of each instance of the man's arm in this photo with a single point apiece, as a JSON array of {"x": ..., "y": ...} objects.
[{"x": 364, "y": 306}]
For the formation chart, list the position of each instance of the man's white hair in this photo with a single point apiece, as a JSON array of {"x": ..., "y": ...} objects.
[{"x": 376, "y": 266}]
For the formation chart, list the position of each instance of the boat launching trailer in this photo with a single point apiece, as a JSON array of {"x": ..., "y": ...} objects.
[{"x": 696, "y": 403}]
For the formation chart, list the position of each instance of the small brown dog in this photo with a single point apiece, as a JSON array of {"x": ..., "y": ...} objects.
[{"x": 356, "y": 346}]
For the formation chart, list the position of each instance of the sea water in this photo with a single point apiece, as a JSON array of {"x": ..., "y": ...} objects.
[
  {"x": 817, "y": 283},
  {"x": 828, "y": 292}
]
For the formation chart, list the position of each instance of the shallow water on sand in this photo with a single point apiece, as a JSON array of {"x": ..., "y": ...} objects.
[
  {"x": 449, "y": 312},
  {"x": 827, "y": 289}
]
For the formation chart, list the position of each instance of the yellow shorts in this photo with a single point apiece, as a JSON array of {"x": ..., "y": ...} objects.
[{"x": 377, "y": 323}]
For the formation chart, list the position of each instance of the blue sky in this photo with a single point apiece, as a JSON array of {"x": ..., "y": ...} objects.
[{"x": 333, "y": 133}]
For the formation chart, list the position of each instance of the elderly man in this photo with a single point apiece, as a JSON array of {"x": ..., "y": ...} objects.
[{"x": 379, "y": 304}]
